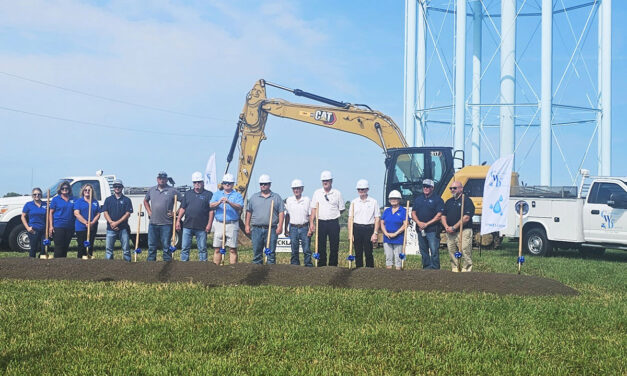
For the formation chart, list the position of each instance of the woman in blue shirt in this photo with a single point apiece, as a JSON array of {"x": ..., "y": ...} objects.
[
  {"x": 81, "y": 212},
  {"x": 393, "y": 227},
  {"x": 34, "y": 220},
  {"x": 62, "y": 219}
]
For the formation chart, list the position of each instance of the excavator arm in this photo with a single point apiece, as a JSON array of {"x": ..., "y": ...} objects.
[{"x": 346, "y": 117}]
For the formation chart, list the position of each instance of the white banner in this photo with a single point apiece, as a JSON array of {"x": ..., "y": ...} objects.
[
  {"x": 211, "y": 177},
  {"x": 496, "y": 195}
]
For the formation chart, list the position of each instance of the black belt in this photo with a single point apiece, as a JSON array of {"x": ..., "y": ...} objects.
[
  {"x": 363, "y": 226},
  {"x": 328, "y": 220},
  {"x": 299, "y": 226}
]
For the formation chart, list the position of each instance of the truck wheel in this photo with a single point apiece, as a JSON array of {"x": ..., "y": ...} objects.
[
  {"x": 536, "y": 242},
  {"x": 591, "y": 251},
  {"x": 18, "y": 239}
]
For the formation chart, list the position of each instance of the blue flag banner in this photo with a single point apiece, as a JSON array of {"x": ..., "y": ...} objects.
[{"x": 496, "y": 195}]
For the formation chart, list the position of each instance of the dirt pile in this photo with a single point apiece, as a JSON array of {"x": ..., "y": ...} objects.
[{"x": 280, "y": 275}]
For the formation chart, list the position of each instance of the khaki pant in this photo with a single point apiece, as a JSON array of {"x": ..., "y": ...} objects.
[{"x": 452, "y": 242}]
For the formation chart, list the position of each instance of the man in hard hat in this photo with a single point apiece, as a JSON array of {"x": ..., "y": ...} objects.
[
  {"x": 195, "y": 208},
  {"x": 297, "y": 209},
  {"x": 117, "y": 209},
  {"x": 258, "y": 218},
  {"x": 364, "y": 213},
  {"x": 234, "y": 204},
  {"x": 331, "y": 205},
  {"x": 426, "y": 212},
  {"x": 452, "y": 220},
  {"x": 159, "y": 202}
]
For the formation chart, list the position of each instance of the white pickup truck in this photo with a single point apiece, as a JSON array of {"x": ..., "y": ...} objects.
[
  {"x": 12, "y": 231},
  {"x": 590, "y": 218}
]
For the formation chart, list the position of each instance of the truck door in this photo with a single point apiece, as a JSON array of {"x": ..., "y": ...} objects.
[{"x": 601, "y": 222}]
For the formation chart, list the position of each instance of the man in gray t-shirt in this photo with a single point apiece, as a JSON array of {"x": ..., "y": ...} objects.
[
  {"x": 159, "y": 201},
  {"x": 258, "y": 217}
]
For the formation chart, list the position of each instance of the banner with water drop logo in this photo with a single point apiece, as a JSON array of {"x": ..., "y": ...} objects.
[{"x": 496, "y": 195}]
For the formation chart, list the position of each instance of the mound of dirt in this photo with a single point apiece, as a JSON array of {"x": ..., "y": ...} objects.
[{"x": 280, "y": 275}]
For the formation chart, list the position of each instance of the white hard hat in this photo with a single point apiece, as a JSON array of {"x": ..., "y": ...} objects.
[
  {"x": 362, "y": 183},
  {"x": 326, "y": 175},
  {"x": 228, "y": 178},
  {"x": 197, "y": 176},
  {"x": 428, "y": 182},
  {"x": 265, "y": 178},
  {"x": 395, "y": 194},
  {"x": 296, "y": 183}
]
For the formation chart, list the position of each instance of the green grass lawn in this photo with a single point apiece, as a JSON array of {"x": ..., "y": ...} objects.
[{"x": 131, "y": 328}]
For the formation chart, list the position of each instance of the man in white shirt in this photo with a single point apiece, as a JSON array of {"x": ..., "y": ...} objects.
[
  {"x": 331, "y": 205},
  {"x": 297, "y": 209},
  {"x": 364, "y": 212}
]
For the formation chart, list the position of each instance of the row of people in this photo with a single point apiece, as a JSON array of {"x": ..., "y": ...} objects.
[{"x": 201, "y": 211}]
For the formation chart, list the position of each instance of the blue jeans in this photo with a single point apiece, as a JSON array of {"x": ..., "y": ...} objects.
[
  {"x": 201, "y": 242},
  {"x": 36, "y": 242},
  {"x": 299, "y": 235},
  {"x": 258, "y": 237},
  {"x": 123, "y": 236},
  {"x": 159, "y": 234},
  {"x": 432, "y": 242}
]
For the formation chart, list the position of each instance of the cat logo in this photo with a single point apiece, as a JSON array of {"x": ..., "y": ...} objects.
[{"x": 327, "y": 117}]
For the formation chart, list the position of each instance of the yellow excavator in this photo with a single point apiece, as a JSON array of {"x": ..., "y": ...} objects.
[{"x": 406, "y": 167}]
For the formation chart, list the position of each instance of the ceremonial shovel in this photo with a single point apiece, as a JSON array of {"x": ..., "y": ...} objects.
[
  {"x": 268, "y": 251},
  {"x": 403, "y": 255},
  {"x": 223, "y": 249},
  {"x": 139, "y": 220},
  {"x": 351, "y": 235},
  {"x": 172, "y": 247},
  {"x": 47, "y": 239},
  {"x": 87, "y": 243}
]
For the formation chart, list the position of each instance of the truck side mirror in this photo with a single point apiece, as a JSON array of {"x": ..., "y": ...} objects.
[{"x": 618, "y": 200}]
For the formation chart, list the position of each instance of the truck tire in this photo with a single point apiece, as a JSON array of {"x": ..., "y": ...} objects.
[
  {"x": 18, "y": 239},
  {"x": 536, "y": 243}
]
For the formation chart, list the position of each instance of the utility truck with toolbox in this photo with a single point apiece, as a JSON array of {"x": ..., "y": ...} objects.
[
  {"x": 14, "y": 236},
  {"x": 590, "y": 217}
]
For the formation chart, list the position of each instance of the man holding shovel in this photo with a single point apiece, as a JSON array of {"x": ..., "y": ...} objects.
[
  {"x": 331, "y": 205},
  {"x": 159, "y": 202},
  {"x": 426, "y": 213},
  {"x": 264, "y": 220},
  {"x": 297, "y": 209},
  {"x": 365, "y": 215},
  {"x": 117, "y": 209},
  {"x": 453, "y": 221},
  {"x": 225, "y": 223},
  {"x": 195, "y": 208}
]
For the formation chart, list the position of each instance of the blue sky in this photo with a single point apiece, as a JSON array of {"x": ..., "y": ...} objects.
[{"x": 200, "y": 58}]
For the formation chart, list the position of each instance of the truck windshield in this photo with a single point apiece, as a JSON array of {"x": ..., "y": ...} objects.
[{"x": 54, "y": 187}]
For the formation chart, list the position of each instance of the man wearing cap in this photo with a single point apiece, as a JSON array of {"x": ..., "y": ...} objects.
[
  {"x": 117, "y": 209},
  {"x": 331, "y": 205},
  {"x": 452, "y": 221},
  {"x": 426, "y": 213},
  {"x": 258, "y": 217},
  {"x": 195, "y": 208},
  {"x": 364, "y": 214},
  {"x": 159, "y": 202},
  {"x": 234, "y": 203},
  {"x": 297, "y": 209}
]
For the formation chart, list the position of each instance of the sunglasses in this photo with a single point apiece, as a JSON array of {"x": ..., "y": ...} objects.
[
  {"x": 326, "y": 197},
  {"x": 361, "y": 189},
  {"x": 36, "y": 194},
  {"x": 227, "y": 183},
  {"x": 426, "y": 186},
  {"x": 198, "y": 182},
  {"x": 262, "y": 184},
  {"x": 454, "y": 188},
  {"x": 117, "y": 187},
  {"x": 65, "y": 188}
]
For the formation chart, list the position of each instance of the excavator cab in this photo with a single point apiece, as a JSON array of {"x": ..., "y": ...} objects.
[{"x": 406, "y": 168}]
